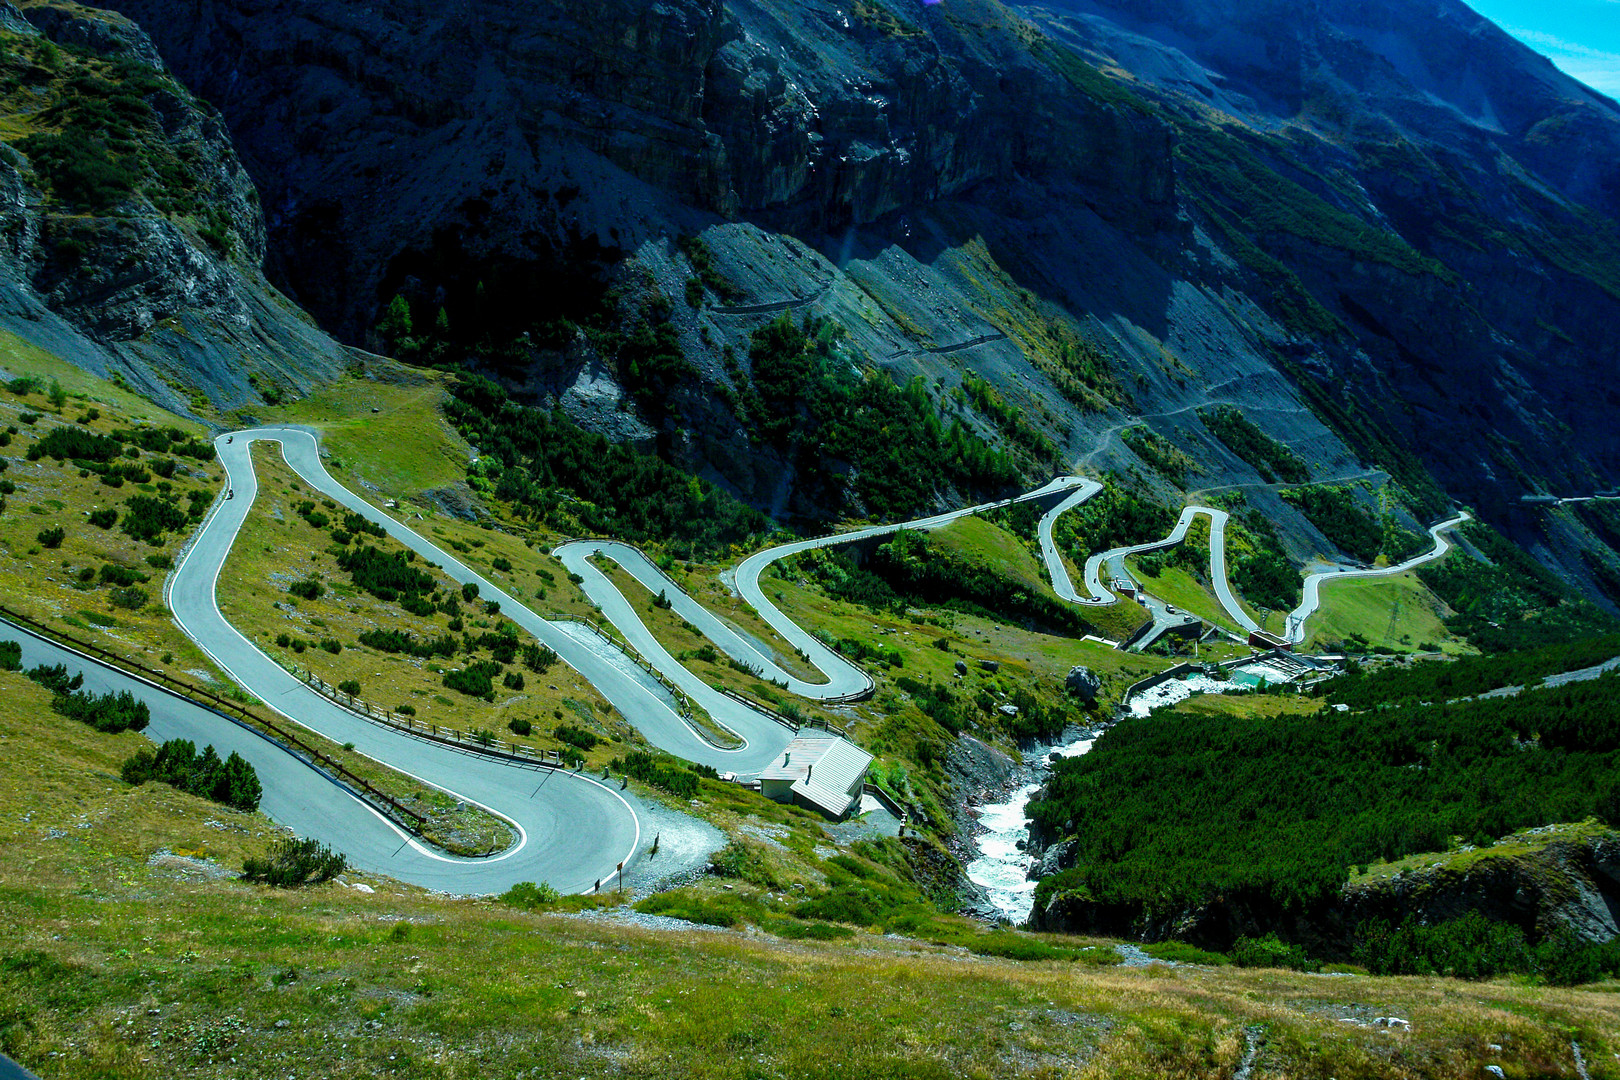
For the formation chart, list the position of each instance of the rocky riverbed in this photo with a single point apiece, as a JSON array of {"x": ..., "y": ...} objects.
[{"x": 992, "y": 820}]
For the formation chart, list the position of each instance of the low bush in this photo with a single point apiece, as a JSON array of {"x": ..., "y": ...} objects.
[
  {"x": 104, "y": 519},
  {"x": 295, "y": 862},
  {"x": 123, "y": 576},
  {"x": 519, "y": 726},
  {"x": 577, "y": 736},
  {"x": 55, "y": 678},
  {"x": 660, "y": 772},
  {"x": 131, "y": 599},
  {"x": 475, "y": 680},
  {"x": 1271, "y": 951},
  {"x": 51, "y": 537},
  {"x": 703, "y": 908},
  {"x": 10, "y": 656},
  {"x": 307, "y": 590},
  {"x": 148, "y": 518},
  {"x": 530, "y": 896},
  {"x": 1180, "y": 952},
  {"x": 111, "y": 712}
]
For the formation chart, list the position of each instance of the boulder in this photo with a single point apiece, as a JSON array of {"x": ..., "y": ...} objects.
[
  {"x": 1059, "y": 856},
  {"x": 1083, "y": 683}
]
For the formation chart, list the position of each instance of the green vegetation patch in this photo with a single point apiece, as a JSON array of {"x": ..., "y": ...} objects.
[
  {"x": 1268, "y": 457},
  {"x": 1513, "y": 602},
  {"x": 554, "y": 472},
  {"x": 915, "y": 568},
  {"x": 1159, "y": 454},
  {"x": 1440, "y": 681},
  {"x": 231, "y": 782},
  {"x": 1182, "y": 808},
  {"x": 1351, "y": 527},
  {"x": 812, "y": 402}
]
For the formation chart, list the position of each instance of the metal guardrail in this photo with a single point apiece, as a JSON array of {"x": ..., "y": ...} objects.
[
  {"x": 482, "y": 742},
  {"x": 401, "y": 815},
  {"x": 782, "y": 718},
  {"x": 629, "y": 651}
]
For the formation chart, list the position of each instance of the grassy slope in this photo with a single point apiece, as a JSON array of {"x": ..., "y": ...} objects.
[
  {"x": 385, "y": 428},
  {"x": 1523, "y": 842},
  {"x": 125, "y": 968},
  {"x": 277, "y": 547},
  {"x": 36, "y": 581},
  {"x": 1365, "y": 607}
]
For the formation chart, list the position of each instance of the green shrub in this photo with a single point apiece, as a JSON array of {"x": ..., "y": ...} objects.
[
  {"x": 475, "y": 680},
  {"x": 519, "y": 726},
  {"x": 295, "y": 862},
  {"x": 1010, "y": 946},
  {"x": 105, "y": 518},
  {"x": 307, "y": 590},
  {"x": 1270, "y": 951},
  {"x": 703, "y": 908},
  {"x": 63, "y": 443},
  {"x": 577, "y": 736},
  {"x": 113, "y": 713},
  {"x": 1181, "y": 953},
  {"x": 530, "y": 896},
  {"x": 660, "y": 772},
  {"x": 232, "y": 782},
  {"x": 131, "y": 599},
  {"x": 114, "y": 574},
  {"x": 10, "y": 656},
  {"x": 55, "y": 678},
  {"x": 79, "y": 168},
  {"x": 147, "y": 518},
  {"x": 51, "y": 537},
  {"x": 350, "y": 687}
]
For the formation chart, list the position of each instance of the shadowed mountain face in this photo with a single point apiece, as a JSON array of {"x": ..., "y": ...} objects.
[{"x": 1385, "y": 228}]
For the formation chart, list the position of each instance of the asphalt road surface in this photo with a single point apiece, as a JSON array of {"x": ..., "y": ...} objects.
[
  {"x": 315, "y": 804},
  {"x": 572, "y": 829}
]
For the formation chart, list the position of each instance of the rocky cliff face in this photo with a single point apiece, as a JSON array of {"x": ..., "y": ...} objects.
[
  {"x": 557, "y": 132},
  {"x": 130, "y": 234},
  {"x": 1387, "y": 227}
]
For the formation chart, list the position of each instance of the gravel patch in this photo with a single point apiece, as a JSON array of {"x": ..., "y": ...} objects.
[
  {"x": 684, "y": 846},
  {"x": 629, "y": 916}
]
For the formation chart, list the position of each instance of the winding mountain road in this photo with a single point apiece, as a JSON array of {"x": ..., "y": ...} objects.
[
  {"x": 549, "y": 823},
  {"x": 843, "y": 680},
  {"x": 573, "y": 831}
]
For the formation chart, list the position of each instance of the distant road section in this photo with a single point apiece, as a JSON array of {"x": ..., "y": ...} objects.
[{"x": 1313, "y": 584}]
